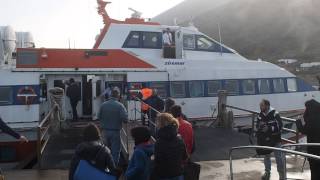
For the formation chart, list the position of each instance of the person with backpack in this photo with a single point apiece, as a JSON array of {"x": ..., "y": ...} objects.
[
  {"x": 94, "y": 152},
  {"x": 139, "y": 167},
  {"x": 269, "y": 125}
]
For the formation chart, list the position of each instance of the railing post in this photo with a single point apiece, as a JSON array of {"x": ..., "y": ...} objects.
[
  {"x": 39, "y": 146},
  {"x": 253, "y": 117},
  {"x": 222, "y": 110}
]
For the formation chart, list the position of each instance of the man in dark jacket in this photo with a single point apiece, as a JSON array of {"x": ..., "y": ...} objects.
[
  {"x": 158, "y": 104},
  {"x": 269, "y": 127},
  {"x": 311, "y": 129},
  {"x": 74, "y": 93},
  {"x": 93, "y": 151}
]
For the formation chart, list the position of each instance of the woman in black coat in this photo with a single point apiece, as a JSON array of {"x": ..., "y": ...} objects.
[
  {"x": 311, "y": 129},
  {"x": 93, "y": 150},
  {"x": 170, "y": 151}
]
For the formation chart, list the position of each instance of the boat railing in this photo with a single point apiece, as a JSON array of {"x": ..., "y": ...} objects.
[
  {"x": 286, "y": 119},
  {"x": 44, "y": 131},
  {"x": 151, "y": 122},
  {"x": 282, "y": 150}
]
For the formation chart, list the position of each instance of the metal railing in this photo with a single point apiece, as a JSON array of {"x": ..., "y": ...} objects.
[
  {"x": 154, "y": 124},
  {"x": 43, "y": 134},
  {"x": 125, "y": 145},
  {"x": 302, "y": 145},
  {"x": 255, "y": 113},
  {"x": 285, "y": 151}
]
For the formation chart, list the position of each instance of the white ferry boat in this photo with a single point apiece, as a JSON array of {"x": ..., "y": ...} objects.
[{"x": 128, "y": 54}]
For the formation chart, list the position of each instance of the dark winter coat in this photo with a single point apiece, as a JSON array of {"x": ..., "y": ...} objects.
[
  {"x": 170, "y": 153},
  {"x": 74, "y": 92},
  {"x": 93, "y": 151},
  {"x": 312, "y": 125},
  {"x": 157, "y": 103},
  {"x": 6, "y": 129},
  {"x": 139, "y": 167},
  {"x": 273, "y": 122}
]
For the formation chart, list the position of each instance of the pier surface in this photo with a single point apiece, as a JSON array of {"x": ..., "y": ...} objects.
[{"x": 212, "y": 152}]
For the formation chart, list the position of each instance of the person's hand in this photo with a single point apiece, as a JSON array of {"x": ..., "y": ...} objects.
[{"x": 23, "y": 139}]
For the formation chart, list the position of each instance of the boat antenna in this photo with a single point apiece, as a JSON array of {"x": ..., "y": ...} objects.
[
  {"x": 220, "y": 39},
  {"x": 135, "y": 14}
]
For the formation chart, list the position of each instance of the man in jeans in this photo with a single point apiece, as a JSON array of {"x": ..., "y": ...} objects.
[
  {"x": 111, "y": 115},
  {"x": 269, "y": 127}
]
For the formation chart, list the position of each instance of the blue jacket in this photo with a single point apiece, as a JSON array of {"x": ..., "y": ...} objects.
[
  {"x": 139, "y": 167},
  {"x": 112, "y": 114}
]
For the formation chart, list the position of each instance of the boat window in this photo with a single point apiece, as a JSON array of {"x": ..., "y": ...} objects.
[
  {"x": 151, "y": 40},
  {"x": 278, "y": 85},
  {"x": 292, "y": 84},
  {"x": 161, "y": 87},
  {"x": 178, "y": 89},
  {"x": 188, "y": 41},
  {"x": 204, "y": 43},
  {"x": 264, "y": 86},
  {"x": 5, "y": 95},
  {"x": 27, "y": 57},
  {"x": 132, "y": 40},
  {"x": 213, "y": 87},
  {"x": 196, "y": 89},
  {"x": 248, "y": 87},
  {"x": 232, "y": 86}
]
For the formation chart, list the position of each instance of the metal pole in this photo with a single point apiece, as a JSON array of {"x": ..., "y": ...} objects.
[
  {"x": 231, "y": 169},
  {"x": 39, "y": 146},
  {"x": 220, "y": 39}
]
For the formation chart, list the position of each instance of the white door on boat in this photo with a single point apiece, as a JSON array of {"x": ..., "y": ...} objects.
[{"x": 98, "y": 87}]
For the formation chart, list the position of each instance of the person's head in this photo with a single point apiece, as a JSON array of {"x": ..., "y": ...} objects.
[
  {"x": 115, "y": 93},
  {"x": 91, "y": 133},
  {"x": 168, "y": 30},
  {"x": 140, "y": 134},
  {"x": 168, "y": 104},
  {"x": 176, "y": 111},
  {"x": 264, "y": 105},
  {"x": 312, "y": 108},
  {"x": 71, "y": 80},
  {"x": 166, "y": 119}
]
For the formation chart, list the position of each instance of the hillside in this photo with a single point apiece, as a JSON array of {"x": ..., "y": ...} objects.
[{"x": 264, "y": 29}]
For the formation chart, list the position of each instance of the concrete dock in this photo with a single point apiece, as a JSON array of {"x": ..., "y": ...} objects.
[{"x": 212, "y": 148}]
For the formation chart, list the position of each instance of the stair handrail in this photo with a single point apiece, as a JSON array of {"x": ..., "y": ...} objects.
[{"x": 269, "y": 148}]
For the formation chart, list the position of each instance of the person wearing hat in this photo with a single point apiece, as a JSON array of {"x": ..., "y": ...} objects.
[{"x": 139, "y": 167}]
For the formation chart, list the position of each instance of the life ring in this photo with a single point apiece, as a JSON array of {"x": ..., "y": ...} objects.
[{"x": 26, "y": 95}]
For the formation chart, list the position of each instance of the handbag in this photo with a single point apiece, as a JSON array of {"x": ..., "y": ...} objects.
[
  {"x": 191, "y": 171},
  {"x": 86, "y": 171}
]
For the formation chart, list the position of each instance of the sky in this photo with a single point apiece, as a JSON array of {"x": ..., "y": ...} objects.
[{"x": 55, "y": 23}]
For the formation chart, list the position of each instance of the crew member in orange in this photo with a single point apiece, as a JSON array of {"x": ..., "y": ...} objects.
[{"x": 144, "y": 94}]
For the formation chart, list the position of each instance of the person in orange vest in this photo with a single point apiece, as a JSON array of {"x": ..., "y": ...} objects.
[{"x": 144, "y": 94}]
